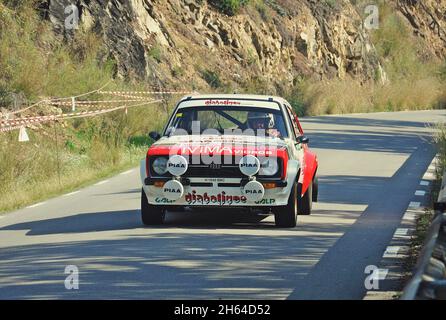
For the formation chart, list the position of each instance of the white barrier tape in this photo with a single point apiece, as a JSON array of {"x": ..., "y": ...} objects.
[
  {"x": 89, "y": 113},
  {"x": 58, "y": 99},
  {"x": 144, "y": 92},
  {"x": 91, "y": 102},
  {"x": 139, "y": 98},
  {"x": 7, "y": 126},
  {"x": 27, "y": 121},
  {"x": 50, "y": 117}
]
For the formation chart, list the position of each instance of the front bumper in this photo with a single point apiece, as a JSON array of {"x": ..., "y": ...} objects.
[{"x": 220, "y": 192}]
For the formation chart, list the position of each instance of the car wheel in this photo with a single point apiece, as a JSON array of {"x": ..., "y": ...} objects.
[
  {"x": 306, "y": 202},
  {"x": 286, "y": 216},
  {"x": 150, "y": 214}
]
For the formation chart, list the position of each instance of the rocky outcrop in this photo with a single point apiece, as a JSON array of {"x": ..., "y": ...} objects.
[
  {"x": 428, "y": 20},
  {"x": 176, "y": 40}
]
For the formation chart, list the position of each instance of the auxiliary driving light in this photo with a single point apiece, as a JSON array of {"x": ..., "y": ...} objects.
[
  {"x": 249, "y": 165},
  {"x": 173, "y": 190},
  {"x": 253, "y": 191}
]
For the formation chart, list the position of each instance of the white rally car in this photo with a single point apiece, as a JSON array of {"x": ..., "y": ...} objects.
[{"x": 230, "y": 151}]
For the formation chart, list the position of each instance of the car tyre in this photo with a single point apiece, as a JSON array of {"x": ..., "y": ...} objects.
[
  {"x": 315, "y": 189},
  {"x": 150, "y": 214},
  {"x": 286, "y": 216},
  {"x": 306, "y": 201}
]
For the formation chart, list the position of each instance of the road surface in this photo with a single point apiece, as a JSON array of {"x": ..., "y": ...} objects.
[{"x": 370, "y": 167}]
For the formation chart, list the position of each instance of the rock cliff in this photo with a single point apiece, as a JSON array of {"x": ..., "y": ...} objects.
[{"x": 192, "y": 43}]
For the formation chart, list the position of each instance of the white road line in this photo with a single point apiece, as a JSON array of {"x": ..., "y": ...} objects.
[
  {"x": 381, "y": 274},
  {"x": 71, "y": 193},
  {"x": 391, "y": 252},
  {"x": 381, "y": 295},
  {"x": 420, "y": 193},
  {"x": 102, "y": 182},
  {"x": 409, "y": 216},
  {"x": 127, "y": 172},
  {"x": 401, "y": 232},
  {"x": 36, "y": 205},
  {"x": 424, "y": 183},
  {"x": 429, "y": 176},
  {"x": 414, "y": 205}
]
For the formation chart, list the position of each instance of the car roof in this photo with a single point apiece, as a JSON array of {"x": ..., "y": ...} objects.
[{"x": 201, "y": 99}]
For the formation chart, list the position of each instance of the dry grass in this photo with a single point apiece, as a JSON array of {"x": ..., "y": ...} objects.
[
  {"x": 336, "y": 96},
  {"x": 35, "y": 64},
  {"x": 416, "y": 78},
  {"x": 347, "y": 96},
  {"x": 48, "y": 166}
]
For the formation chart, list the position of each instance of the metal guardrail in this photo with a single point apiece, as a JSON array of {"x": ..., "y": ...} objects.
[{"x": 429, "y": 279}]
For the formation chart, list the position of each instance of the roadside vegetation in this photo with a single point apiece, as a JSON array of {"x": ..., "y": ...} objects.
[
  {"x": 423, "y": 222},
  {"x": 61, "y": 156},
  {"x": 410, "y": 78},
  {"x": 414, "y": 80},
  {"x": 36, "y": 64}
]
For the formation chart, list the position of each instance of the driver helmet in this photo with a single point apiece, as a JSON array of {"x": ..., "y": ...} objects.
[{"x": 260, "y": 120}]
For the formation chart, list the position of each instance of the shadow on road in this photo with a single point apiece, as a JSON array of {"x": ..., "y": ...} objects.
[
  {"x": 187, "y": 262},
  {"x": 225, "y": 254}
]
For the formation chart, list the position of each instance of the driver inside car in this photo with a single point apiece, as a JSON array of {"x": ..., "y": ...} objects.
[{"x": 263, "y": 121}]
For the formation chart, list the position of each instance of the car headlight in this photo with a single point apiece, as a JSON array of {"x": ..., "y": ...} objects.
[
  {"x": 268, "y": 166},
  {"x": 159, "y": 165}
]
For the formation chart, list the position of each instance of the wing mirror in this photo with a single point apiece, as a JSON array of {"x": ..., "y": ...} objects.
[
  {"x": 303, "y": 139},
  {"x": 154, "y": 135}
]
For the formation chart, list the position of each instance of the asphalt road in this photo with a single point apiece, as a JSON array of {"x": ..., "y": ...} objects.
[{"x": 370, "y": 167}]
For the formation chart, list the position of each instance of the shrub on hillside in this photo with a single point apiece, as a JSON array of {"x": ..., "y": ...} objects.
[{"x": 229, "y": 7}]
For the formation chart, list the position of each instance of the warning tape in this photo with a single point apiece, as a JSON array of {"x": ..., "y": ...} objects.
[
  {"x": 92, "y": 102},
  {"x": 139, "y": 98},
  {"x": 58, "y": 99},
  {"x": 57, "y": 116},
  {"x": 7, "y": 125},
  {"x": 9, "y": 128},
  {"x": 125, "y": 94},
  {"x": 143, "y": 92}
]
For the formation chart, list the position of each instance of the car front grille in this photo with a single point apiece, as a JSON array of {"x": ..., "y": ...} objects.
[{"x": 210, "y": 171}]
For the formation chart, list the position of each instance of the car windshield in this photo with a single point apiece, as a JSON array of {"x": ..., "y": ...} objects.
[{"x": 228, "y": 121}]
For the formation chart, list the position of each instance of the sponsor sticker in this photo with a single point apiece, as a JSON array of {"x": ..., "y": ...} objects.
[
  {"x": 177, "y": 165},
  {"x": 266, "y": 201},
  {"x": 254, "y": 191},
  {"x": 249, "y": 165},
  {"x": 222, "y": 102},
  {"x": 163, "y": 200},
  {"x": 221, "y": 198},
  {"x": 173, "y": 190}
]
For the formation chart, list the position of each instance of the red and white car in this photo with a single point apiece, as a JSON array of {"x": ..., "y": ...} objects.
[{"x": 230, "y": 151}]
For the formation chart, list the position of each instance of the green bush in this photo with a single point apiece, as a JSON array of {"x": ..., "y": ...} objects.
[
  {"x": 212, "y": 78},
  {"x": 156, "y": 53},
  {"x": 229, "y": 7}
]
